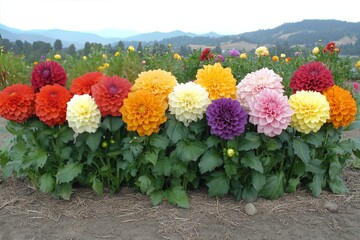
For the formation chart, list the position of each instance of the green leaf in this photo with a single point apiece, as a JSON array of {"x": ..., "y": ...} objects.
[
  {"x": 156, "y": 197},
  {"x": 159, "y": 141},
  {"x": 293, "y": 183},
  {"x": 176, "y": 130},
  {"x": 250, "y": 141},
  {"x": 249, "y": 194},
  {"x": 317, "y": 139},
  {"x": 93, "y": 140},
  {"x": 112, "y": 123},
  {"x": 219, "y": 184},
  {"x": 301, "y": 150},
  {"x": 209, "y": 161},
  {"x": 337, "y": 185},
  {"x": 65, "y": 153},
  {"x": 190, "y": 151},
  {"x": 10, "y": 167},
  {"x": 162, "y": 167},
  {"x": 230, "y": 168},
  {"x": 36, "y": 158},
  {"x": 252, "y": 161},
  {"x": 315, "y": 185},
  {"x": 272, "y": 144},
  {"x": 66, "y": 135},
  {"x": 258, "y": 180},
  {"x": 315, "y": 166},
  {"x": 46, "y": 183},
  {"x": 176, "y": 195},
  {"x": 178, "y": 169},
  {"x": 274, "y": 186},
  {"x": 151, "y": 157},
  {"x": 68, "y": 172},
  {"x": 144, "y": 183},
  {"x": 213, "y": 141},
  {"x": 97, "y": 186}
]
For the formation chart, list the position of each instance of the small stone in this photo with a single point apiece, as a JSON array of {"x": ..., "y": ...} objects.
[
  {"x": 331, "y": 206},
  {"x": 250, "y": 209}
]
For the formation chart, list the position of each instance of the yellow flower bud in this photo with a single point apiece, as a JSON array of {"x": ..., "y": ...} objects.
[
  {"x": 131, "y": 49},
  {"x": 57, "y": 56}
]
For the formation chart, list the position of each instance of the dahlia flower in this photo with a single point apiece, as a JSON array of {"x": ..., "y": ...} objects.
[
  {"x": 188, "y": 102},
  {"x": 313, "y": 76},
  {"x": 47, "y": 72},
  {"x": 331, "y": 48},
  {"x": 206, "y": 55},
  {"x": 218, "y": 81},
  {"x": 271, "y": 112},
  {"x": 255, "y": 82},
  {"x": 83, "y": 115},
  {"x": 109, "y": 94},
  {"x": 144, "y": 112},
  {"x": 311, "y": 111},
  {"x": 234, "y": 53},
  {"x": 262, "y": 51},
  {"x": 315, "y": 50},
  {"x": 159, "y": 82},
  {"x": 82, "y": 85},
  {"x": 342, "y": 106},
  {"x": 226, "y": 118},
  {"x": 50, "y": 104},
  {"x": 17, "y": 103}
]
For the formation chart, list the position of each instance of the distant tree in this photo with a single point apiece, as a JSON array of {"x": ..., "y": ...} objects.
[
  {"x": 217, "y": 49},
  {"x": 139, "y": 47},
  {"x": 19, "y": 47},
  {"x": 71, "y": 50},
  {"x": 87, "y": 48},
  {"x": 121, "y": 45},
  {"x": 58, "y": 45}
]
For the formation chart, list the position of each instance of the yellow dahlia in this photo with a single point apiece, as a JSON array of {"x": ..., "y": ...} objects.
[
  {"x": 342, "y": 106},
  {"x": 218, "y": 81},
  {"x": 82, "y": 114},
  {"x": 144, "y": 112},
  {"x": 188, "y": 102},
  {"x": 159, "y": 82},
  {"x": 311, "y": 111}
]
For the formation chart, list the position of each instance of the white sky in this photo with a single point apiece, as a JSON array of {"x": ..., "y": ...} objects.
[{"x": 197, "y": 16}]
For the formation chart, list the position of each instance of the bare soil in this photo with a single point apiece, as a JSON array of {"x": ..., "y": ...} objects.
[{"x": 28, "y": 214}]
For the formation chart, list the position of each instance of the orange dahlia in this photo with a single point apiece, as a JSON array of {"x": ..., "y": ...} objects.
[
  {"x": 17, "y": 102},
  {"x": 109, "y": 94},
  {"x": 159, "y": 82},
  {"x": 82, "y": 85},
  {"x": 51, "y": 103},
  {"x": 342, "y": 106},
  {"x": 218, "y": 81},
  {"x": 144, "y": 112}
]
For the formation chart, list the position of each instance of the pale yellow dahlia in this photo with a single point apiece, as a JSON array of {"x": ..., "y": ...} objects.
[
  {"x": 82, "y": 114},
  {"x": 159, "y": 82},
  {"x": 188, "y": 102},
  {"x": 262, "y": 51},
  {"x": 311, "y": 111},
  {"x": 218, "y": 81}
]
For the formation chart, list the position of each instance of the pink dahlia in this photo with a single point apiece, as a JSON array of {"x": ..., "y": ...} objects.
[
  {"x": 313, "y": 76},
  {"x": 47, "y": 73},
  {"x": 255, "y": 82},
  {"x": 271, "y": 112}
]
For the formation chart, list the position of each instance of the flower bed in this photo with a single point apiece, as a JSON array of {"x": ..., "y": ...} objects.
[{"x": 245, "y": 137}]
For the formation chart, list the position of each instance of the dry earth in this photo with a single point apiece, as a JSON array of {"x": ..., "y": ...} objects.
[{"x": 28, "y": 214}]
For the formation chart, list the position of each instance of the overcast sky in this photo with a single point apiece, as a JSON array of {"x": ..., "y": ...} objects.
[{"x": 197, "y": 16}]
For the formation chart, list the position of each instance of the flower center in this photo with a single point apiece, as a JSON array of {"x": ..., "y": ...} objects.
[{"x": 142, "y": 109}]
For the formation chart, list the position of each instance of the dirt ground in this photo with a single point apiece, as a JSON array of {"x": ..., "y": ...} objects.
[{"x": 128, "y": 215}]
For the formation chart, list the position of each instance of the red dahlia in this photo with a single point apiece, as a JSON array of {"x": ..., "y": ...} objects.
[
  {"x": 51, "y": 103},
  {"x": 47, "y": 73},
  {"x": 17, "y": 102},
  {"x": 206, "y": 55},
  {"x": 82, "y": 85},
  {"x": 313, "y": 76},
  {"x": 109, "y": 94}
]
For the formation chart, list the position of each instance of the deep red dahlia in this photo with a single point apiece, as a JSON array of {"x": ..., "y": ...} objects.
[
  {"x": 47, "y": 73},
  {"x": 82, "y": 85},
  {"x": 206, "y": 55},
  {"x": 17, "y": 102},
  {"x": 51, "y": 102},
  {"x": 331, "y": 48},
  {"x": 109, "y": 94},
  {"x": 313, "y": 76}
]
